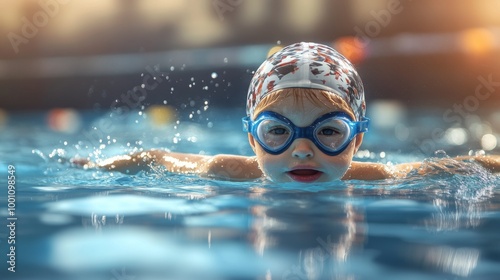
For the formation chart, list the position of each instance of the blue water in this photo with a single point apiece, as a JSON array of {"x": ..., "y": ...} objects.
[{"x": 88, "y": 224}]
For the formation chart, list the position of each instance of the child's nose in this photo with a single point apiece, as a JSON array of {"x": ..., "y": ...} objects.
[{"x": 302, "y": 148}]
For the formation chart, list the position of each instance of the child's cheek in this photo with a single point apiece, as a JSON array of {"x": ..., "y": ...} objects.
[
  {"x": 340, "y": 171},
  {"x": 270, "y": 166},
  {"x": 342, "y": 162}
]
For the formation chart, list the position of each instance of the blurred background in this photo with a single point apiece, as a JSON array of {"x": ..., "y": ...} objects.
[{"x": 427, "y": 55}]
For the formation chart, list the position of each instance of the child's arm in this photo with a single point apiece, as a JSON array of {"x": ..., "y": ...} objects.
[
  {"x": 377, "y": 171},
  {"x": 491, "y": 163},
  {"x": 220, "y": 166}
]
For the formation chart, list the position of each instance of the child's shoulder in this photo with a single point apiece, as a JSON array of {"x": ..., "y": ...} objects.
[{"x": 232, "y": 167}]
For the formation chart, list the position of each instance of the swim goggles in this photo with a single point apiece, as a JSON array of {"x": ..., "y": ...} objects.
[{"x": 331, "y": 133}]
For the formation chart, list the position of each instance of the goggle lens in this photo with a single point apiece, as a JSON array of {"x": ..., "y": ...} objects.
[
  {"x": 332, "y": 133},
  {"x": 274, "y": 134}
]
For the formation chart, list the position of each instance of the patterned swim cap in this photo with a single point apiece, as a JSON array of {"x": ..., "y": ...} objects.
[{"x": 308, "y": 65}]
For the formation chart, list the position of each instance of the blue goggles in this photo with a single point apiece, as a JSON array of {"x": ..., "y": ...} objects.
[{"x": 331, "y": 133}]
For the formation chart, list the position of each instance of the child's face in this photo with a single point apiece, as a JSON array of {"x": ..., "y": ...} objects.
[{"x": 303, "y": 153}]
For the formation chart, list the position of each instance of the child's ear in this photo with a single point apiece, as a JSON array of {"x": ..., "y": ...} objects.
[
  {"x": 359, "y": 140},
  {"x": 251, "y": 140}
]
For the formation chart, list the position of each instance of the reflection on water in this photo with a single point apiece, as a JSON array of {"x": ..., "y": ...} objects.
[
  {"x": 408, "y": 227},
  {"x": 428, "y": 228},
  {"x": 460, "y": 214},
  {"x": 460, "y": 261}
]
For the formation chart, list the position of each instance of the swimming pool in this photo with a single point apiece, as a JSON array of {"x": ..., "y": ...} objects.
[{"x": 81, "y": 224}]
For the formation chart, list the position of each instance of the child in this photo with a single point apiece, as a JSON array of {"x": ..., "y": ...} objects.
[{"x": 305, "y": 121}]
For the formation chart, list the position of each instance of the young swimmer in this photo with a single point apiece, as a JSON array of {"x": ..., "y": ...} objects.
[{"x": 305, "y": 121}]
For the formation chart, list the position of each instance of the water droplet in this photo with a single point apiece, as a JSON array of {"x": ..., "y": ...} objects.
[
  {"x": 210, "y": 124},
  {"x": 214, "y": 75},
  {"x": 172, "y": 68},
  {"x": 440, "y": 154},
  {"x": 225, "y": 59},
  {"x": 480, "y": 153},
  {"x": 278, "y": 42}
]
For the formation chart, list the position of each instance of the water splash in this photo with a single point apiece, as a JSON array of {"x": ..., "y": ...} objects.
[{"x": 445, "y": 177}]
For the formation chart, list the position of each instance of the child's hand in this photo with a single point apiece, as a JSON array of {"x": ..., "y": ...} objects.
[
  {"x": 129, "y": 164},
  {"x": 82, "y": 162}
]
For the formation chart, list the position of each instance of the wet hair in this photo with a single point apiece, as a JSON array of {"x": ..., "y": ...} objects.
[{"x": 299, "y": 94}]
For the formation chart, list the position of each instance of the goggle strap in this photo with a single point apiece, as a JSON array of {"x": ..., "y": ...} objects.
[
  {"x": 246, "y": 124},
  {"x": 362, "y": 126}
]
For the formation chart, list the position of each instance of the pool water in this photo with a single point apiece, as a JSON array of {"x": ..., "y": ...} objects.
[{"x": 87, "y": 224}]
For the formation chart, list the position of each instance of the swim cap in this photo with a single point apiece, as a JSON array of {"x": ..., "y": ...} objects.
[{"x": 308, "y": 65}]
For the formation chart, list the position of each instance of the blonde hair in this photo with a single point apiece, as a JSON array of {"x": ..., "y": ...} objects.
[{"x": 299, "y": 94}]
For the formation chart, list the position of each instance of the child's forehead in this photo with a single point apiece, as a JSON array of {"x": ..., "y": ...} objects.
[{"x": 303, "y": 111}]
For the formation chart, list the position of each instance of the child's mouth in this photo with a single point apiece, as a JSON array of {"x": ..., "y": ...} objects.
[{"x": 304, "y": 175}]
